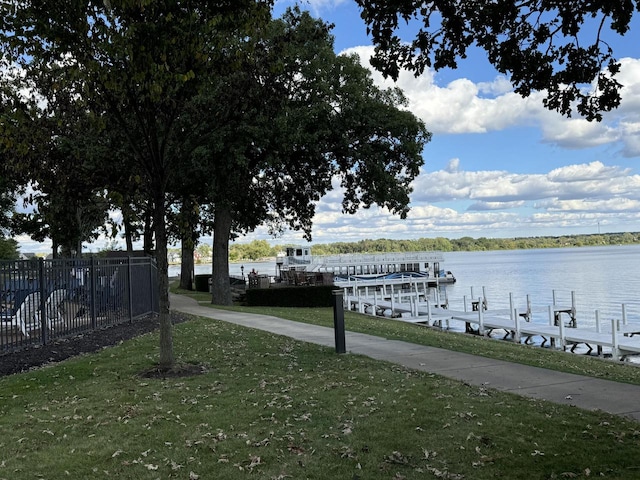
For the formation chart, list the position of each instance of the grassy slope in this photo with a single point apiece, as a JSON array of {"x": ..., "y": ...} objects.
[
  {"x": 492, "y": 348},
  {"x": 273, "y": 408}
]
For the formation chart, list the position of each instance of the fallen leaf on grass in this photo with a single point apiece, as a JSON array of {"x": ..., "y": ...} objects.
[
  {"x": 397, "y": 458},
  {"x": 261, "y": 443},
  {"x": 255, "y": 461},
  {"x": 428, "y": 455},
  {"x": 296, "y": 450}
]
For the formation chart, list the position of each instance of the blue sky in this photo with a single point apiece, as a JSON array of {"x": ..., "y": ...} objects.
[{"x": 498, "y": 165}]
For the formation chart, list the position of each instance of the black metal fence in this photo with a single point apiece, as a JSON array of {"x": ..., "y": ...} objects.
[{"x": 41, "y": 300}]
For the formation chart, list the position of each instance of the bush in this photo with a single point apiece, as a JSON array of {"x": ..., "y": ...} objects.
[
  {"x": 320, "y": 296},
  {"x": 202, "y": 282}
]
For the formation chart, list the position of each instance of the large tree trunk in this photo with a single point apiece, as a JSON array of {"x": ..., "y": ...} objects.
[
  {"x": 221, "y": 289},
  {"x": 188, "y": 241},
  {"x": 128, "y": 230},
  {"x": 187, "y": 265},
  {"x": 149, "y": 228},
  {"x": 167, "y": 359},
  {"x": 78, "y": 245}
]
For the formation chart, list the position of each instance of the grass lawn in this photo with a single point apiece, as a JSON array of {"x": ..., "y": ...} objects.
[
  {"x": 269, "y": 407},
  {"x": 473, "y": 344}
]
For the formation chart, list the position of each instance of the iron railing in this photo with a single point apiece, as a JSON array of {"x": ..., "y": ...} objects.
[{"x": 42, "y": 300}]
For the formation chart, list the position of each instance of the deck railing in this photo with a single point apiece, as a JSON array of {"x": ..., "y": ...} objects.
[{"x": 42, "y": 300}]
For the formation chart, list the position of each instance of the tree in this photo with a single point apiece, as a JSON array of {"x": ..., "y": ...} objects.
[
  {"x": 8, "y": 246},
  {"x": 6, "y": 198},
  {"x": 554, "y": 45},
  {"x": 307, "y": 118},
  {"x": 8, "y": 249},
  {"x": 51, "y": 144},
  {"x": 140, "y": 63},
  {"x": 187, "y": 226},
  {"x": 71, "y": 207}
]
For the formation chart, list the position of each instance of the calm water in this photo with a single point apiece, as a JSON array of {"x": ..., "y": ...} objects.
[{"x": 603, "y": 278}]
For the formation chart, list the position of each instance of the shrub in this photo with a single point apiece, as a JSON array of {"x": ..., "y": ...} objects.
[
  {"x": 202, "y": 282},
  {"x": 320, "y": 296}
]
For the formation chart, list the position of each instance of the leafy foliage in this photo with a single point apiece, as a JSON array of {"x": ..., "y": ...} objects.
[
  {"x": 305, "y": 116},
  {"x": 135, "y": 66},
  {"x": 551, "y": 45},
  {"x": 260, "y": 248},
  {"x": 306, "y": 121},
  {"x": 253, "y": 250},
  {"x": 8, "y": 249}
]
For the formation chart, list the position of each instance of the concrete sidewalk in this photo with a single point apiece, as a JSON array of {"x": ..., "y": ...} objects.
[{"x": 565, "y": 388}]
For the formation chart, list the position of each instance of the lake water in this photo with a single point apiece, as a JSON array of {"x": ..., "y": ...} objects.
[{"x": 603, "y": 278}]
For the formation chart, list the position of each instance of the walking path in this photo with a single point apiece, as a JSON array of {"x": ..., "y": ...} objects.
[{"x": 564, "y": 388}]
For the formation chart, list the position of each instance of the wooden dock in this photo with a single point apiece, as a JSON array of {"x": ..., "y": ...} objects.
[{"x": 560, "y": 329}]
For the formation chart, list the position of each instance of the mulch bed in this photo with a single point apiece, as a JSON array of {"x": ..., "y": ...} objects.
[{"x": 89, "y": 342}]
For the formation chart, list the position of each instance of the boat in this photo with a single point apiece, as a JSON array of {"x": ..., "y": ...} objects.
[{"x": 366, "y": 269}]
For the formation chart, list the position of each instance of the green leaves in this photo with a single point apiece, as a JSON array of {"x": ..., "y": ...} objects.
[{"x": 558, "y": 46}]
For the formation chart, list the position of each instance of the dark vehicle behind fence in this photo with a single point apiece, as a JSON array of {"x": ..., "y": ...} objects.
[{"x": 41, "y": 300}]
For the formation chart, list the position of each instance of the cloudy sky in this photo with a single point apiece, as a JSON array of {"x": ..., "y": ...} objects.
[{"x": 498, "y": 165}]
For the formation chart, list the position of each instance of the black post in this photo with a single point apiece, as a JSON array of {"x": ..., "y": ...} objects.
[
  {"x": 130, "y": 288},
  {"x": 94, "y": 292},
  {"x": 338, "y": 320},
  {"x": 43, "y": 302}
]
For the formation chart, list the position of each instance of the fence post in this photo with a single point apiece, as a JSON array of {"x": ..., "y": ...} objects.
[
  {"x": 92, "y": 276},
  {"x": 129, "y": 277},
  {"x": 151, "y": 262},
  {"x": 338, "y": 320},
  {"x": 43, "y": 299}
]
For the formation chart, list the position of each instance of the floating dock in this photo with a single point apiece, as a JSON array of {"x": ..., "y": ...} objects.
[{"x": 560, "y": 327}]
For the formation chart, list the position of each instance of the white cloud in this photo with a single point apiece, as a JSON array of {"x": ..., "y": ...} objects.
[
  {"x": 453, "y": 166},
  {"x": 486, "y": 206},
  {"x": 463, "y": 106},
  {"x": 454, "y": 202},
  {"x": 316, "y": 6},
  {"x": 591, "y": 171},
  {"x": 593, "y": 180},
  {"x": 588, "y": 205}
]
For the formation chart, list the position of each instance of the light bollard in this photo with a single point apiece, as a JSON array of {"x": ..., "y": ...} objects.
[{"x": 338, "y": 321}]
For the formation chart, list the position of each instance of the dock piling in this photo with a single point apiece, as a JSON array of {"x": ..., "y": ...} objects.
[
  {"x": 563, "y": 343},
  {"x": 480, "y": 318},
  {"x": 615, "y": 353},
  {"x": 551, "y": 320},
  {"x": 511, "y": 314}
]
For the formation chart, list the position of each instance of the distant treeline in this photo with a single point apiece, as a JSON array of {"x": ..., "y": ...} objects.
[{"x": 260, "y": 248}]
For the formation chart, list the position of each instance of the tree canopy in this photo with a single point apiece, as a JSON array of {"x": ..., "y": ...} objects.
[
  {"x": 559, "y": 46},
  {"x": 204, "y": 106},
  {"x": 307, "y": 119},
  {"x": 135, "y": 66}
]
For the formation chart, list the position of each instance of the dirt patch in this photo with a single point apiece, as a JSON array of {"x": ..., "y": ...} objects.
[{"x": 89, "y": 342}]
